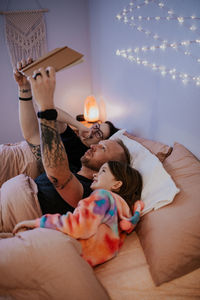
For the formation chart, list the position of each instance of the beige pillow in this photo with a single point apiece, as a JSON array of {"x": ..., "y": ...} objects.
[
  {"x": 161, "y": 150},
  {"x": 46, "y": 264},
  {"x": 170, "y": 236}
]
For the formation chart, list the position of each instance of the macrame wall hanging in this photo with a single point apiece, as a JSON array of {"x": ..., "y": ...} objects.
[{"x": 25, "y": 34}]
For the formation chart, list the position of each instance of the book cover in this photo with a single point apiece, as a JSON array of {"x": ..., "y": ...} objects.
[{"x": 58, "y": 58}]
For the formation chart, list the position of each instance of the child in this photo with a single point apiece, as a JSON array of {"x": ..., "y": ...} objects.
[{"x": 98, "y": 221}]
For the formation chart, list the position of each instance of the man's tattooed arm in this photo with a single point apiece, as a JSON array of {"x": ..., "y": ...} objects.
[
  {"x": 54, "y": 157},
  {"x": 35, "y": 149},
  {"x": 61, "y": 186}
]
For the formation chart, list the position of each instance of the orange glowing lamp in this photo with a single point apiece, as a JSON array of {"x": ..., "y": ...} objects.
[{"x": 91, "y": 110}]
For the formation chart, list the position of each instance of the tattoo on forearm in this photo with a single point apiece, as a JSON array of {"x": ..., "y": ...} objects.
[
  {"x": 58, "y": 185},
  {"x": 25, "y": 90},
  {"x": 35, "y": 149},
  {"x": 52, "y": 146}
]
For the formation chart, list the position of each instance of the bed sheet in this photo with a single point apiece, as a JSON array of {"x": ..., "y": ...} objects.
[{"x": 128, "y": 277}]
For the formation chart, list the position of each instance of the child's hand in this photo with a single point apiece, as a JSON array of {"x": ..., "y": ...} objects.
[
  {"x": 24, "y": 225},
  {"x": 138, "y": 206}
]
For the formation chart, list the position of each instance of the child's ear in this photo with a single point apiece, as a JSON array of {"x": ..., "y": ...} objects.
[{"x": 116, "y": 186}]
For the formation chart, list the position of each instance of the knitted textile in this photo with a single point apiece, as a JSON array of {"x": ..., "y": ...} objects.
[{"x": 25, "y": 35}]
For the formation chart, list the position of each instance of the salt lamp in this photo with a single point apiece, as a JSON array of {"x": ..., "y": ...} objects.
[{"x": 91, "y": 110}]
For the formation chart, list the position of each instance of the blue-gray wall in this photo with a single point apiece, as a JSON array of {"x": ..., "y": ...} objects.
[{"x": 136, "y": 97}]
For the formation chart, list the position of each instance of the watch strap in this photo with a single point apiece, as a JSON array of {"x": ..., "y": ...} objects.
[{"x": 48, "y": 114}]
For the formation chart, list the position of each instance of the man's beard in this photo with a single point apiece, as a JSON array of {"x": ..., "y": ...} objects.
[{"x": 87, "y": 163}]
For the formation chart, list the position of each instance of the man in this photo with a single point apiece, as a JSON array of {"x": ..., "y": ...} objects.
[
  {"x": 70, "y": 187},
  {"x": 29, "y": 122}
]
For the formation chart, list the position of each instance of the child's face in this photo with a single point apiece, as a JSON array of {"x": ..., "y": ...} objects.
[{"x": 104, "y": 179}]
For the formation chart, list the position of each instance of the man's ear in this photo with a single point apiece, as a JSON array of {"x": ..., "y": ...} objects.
[{"x": 116, "y": 186}]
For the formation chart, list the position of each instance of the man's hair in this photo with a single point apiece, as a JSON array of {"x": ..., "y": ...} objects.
[
  {"x": 125, "y": 155},
  {"x": 131, "y": 179},
  {"x": 112, "y": 128}
]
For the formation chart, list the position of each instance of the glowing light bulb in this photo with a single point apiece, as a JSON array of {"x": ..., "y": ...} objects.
[
  {"x": 154, "y": 67},
  {"x": 144, "y": 62},
  {"x": 161, "y": 4},
  {"x": 153, "y": 48},
  {"x": 173, "y": 45},
  {"x": 193, "y": 28},
  {"x": 118, "y": 17},
  {"x": 138, "y": 60},
  {"x": 180, "y": 19},
  {"x": 144, "y": 49},
  {"x": 185, "y": 43},
  {"x": 163, "y": 46}
]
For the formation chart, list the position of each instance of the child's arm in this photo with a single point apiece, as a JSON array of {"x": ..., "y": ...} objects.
[
  {"x": 24, "y": 225},
  {"x": 84, "y": 221}
]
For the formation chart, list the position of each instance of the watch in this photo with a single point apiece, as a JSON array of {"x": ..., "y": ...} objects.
[{"x": 48, "y": 114}]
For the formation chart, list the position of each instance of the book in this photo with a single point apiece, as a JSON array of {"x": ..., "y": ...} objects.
[{"x": 58, "y": 58}]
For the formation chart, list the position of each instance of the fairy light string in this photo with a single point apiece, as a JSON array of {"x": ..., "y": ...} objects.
[{"x": 132, "y": 55}]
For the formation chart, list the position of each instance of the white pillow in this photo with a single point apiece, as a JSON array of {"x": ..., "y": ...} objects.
[{"x": 158, "y": 187}]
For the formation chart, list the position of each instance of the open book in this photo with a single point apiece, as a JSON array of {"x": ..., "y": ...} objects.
[{"x": 58, "y": 58}]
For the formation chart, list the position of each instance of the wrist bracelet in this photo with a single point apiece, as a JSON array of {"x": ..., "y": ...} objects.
[
  {"x": 48, "y": 114},
  {"x": 25, "y": 99}
]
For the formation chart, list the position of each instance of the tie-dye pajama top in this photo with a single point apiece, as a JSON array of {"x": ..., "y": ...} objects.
[{"x": 95, "y": 223}]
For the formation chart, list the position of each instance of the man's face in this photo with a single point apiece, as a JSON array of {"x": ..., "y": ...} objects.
[{"x": 100, "y": 153}]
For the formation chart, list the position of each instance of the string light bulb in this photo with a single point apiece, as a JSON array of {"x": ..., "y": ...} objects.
[{"x": 127, "y": 16}]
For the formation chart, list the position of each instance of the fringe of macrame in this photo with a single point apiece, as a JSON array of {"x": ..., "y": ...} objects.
[{"x": 25, "y": 35}]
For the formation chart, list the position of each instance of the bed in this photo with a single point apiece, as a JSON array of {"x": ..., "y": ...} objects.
[{"x": 159, "y": 260}]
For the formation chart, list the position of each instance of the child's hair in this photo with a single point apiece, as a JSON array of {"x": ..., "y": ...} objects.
[{"x": 131, "y": 179}]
